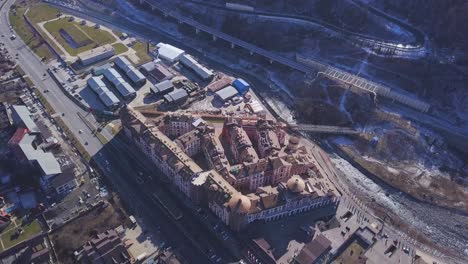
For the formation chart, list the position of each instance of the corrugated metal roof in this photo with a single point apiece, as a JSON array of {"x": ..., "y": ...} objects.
[
  {"x": 126, "y": 66},
  {"x": 199, "y": 69},
  {"x": 226, "y": 93},
  {"x": 122, "y": 62},
  {"x": 162, "y": 86},
  {"x": 169, "y": 52},
  {"x": 106, "y": 96},
  {"x": 135, "y": 75},
  {"x": 111, "y": 73},
  {"x": 109, "y": 99},
  {"x": 149, "y": 66},
  {"x": 176, "y": 95},
  {"x": 124, "y": 88}
]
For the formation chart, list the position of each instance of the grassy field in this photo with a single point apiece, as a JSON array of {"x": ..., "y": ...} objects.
[
  {"x": 119, "y": 48},
  {"x": 42, "y": 12},
  {"x": 34, "y": 42},
  {"x": 9, "y": 239},
  {"x": 81, "y": 34},
  {"x": 140, "y": 49},
  {"x": 117, "y": 33},
  {"x": 76, "y": 232}
]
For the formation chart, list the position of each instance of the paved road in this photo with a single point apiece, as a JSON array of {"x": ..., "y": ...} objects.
[
  {"x": 135, "y": 161},
  {"x": 124, "y": 182},
  {"x": 415, "y": 47},
  {"x": 35, "y": 69},
  {"x": 121, "y": 177}
]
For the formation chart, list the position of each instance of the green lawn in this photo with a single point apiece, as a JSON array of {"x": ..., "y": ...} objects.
[
  {"x": 29, "y": 230},
  {"x": 41, "y": 13},
  {"x": 86, "y": 37},
  {"x": 140, "y": 49},
  {"x": 27, "y": 34},
  {"x": 98, "y": 35},
  {"x": 119, "y": 48},
  {"x": 117, "y": 33}
]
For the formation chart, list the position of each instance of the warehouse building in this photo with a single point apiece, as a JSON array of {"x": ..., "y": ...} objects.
[
  {"x": 241, "y": 86},
  {"x": 99, "y": 70},
  {"x": 176, "y": 97},
  {"x": 219, "y": 84},
  {"x": 156, "y": 70},
  {"x": 225, "y": 94},
  {"x": 126, "y": 66},
  {"x": 107, "y": 97},
  {"x": 22, "y": 117},
  {"x": 163, "y": 88},
  {"x": 168, "y": 52},
  {"x": 189, "y": 62},
  {"x": 124, "y": 88},
  {"x": 92, "y": 56}
]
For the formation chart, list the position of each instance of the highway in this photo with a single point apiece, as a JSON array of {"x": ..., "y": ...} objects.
[
  {"x": 303, "y": 65},
  {"x": 111, "y": 162},
  {"x": 123, "y": 179},
  {"x": 414, "y": 48},
  {"x": 186, "y": 235},
  {"x": 35, "y": 69},
  {"x": 324, "y": 129}
]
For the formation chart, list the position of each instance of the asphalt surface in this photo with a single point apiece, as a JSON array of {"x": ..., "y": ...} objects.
[
  {"x": 189, "y": 226},
  {"x": 35, "y": 69},
  {"x": 121, "y": 174}
]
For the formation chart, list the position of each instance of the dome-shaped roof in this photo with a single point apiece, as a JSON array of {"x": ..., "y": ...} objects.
[
  {"x": 239, "y": 203},
  {"x": 293, "y": 140},
  {"x": 213, "y": 187},
  {"x": 296, "y": 184}
]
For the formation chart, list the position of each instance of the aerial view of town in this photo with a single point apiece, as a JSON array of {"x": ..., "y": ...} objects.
[{"x": 240, "y": 131}]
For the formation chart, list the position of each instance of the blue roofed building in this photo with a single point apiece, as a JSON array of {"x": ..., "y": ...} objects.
[{"x": 241, "y": 86}]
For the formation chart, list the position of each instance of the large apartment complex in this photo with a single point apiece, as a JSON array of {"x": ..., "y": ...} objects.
[{"x": 251, "y": 170}]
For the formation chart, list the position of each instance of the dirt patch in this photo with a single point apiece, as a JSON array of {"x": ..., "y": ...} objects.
[
  {"x": 74, "y": 234},
  {"x": 437, "y": 190}
]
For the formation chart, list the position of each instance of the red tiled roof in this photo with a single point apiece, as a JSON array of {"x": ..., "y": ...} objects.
[{"x": 18, "y": 136}]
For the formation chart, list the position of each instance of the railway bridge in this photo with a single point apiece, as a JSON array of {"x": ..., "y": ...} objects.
[
  {"x": 300, "y": 64},
  {"x": 319, "y": 129}
]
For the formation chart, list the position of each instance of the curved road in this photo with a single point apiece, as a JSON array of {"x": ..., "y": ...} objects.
[
  {"x": 416, "y": 48},
  {"x": 154, "y": 33},
  {"x": 132, "y": 29},
  {"x": 108, "y": 159}
]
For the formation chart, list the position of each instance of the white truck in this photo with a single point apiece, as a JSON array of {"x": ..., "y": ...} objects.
[
  {"x": 239, "y": 7},
  {"x": 133, "y": 220}
]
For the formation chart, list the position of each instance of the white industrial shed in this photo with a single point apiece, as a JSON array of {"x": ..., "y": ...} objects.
[
  {"x": 99, "y": 87},
  {"x": 189, "y": 62},
  {"x": 124, "y": 88},
  {"x": 168, "y": 52},
  {"x": 97, "y": 54},
  {"x": 126, "y": 66},
  {"x": 226, "y": 93}
]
